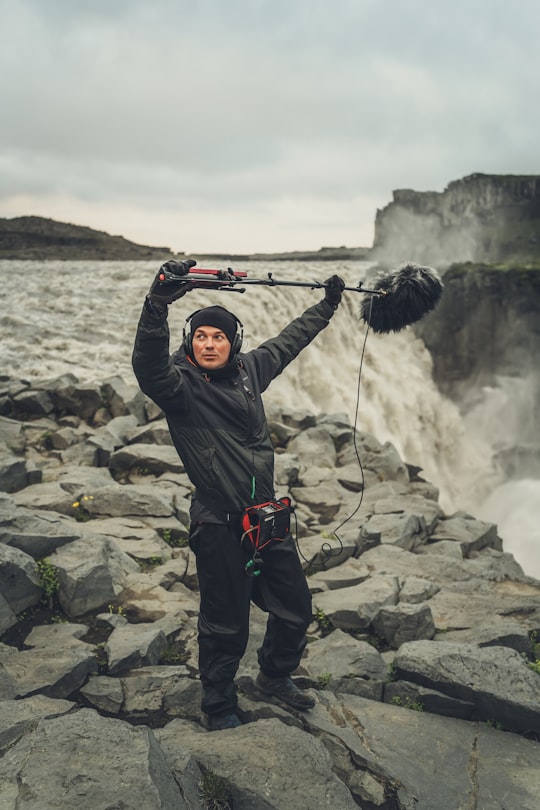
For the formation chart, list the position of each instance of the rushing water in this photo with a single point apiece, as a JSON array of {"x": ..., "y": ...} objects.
[{"x": 80, "y": 317}]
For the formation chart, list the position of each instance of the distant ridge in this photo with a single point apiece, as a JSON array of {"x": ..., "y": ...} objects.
[
  {"x": 42, "y": 238},
  {"x": 323, "y": 254}
]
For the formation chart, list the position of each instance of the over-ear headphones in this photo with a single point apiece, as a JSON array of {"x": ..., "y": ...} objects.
[{"x": 187, "y": 336}]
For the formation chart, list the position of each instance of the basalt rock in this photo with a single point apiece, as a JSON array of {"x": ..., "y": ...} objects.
[
  {"x": 481, "y": 217},
  {"x": 491, "y": 314},
  {"x": 422, "y": 645}
]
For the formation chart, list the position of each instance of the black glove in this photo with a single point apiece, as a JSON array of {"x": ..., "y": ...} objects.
[
  {"x": 165, "y": 288},
  {"x": 334, "y": 290}
]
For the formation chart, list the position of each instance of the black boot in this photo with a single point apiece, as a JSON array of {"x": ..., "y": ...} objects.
[
  {"x": 219, "y": 722},
  {"x": 286, "y": 690}
]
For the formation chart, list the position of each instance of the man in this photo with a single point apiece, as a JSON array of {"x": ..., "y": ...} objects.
[{"x": 210, "y": 393}]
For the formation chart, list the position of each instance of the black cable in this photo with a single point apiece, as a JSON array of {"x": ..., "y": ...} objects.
[{"x": 326, "y": 549}]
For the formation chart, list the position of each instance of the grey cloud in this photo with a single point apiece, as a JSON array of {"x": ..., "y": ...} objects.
[{"x": 252, "y": 100}]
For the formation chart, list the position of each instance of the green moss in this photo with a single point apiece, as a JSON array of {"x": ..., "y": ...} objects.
[
  {"x": 173, "y": 655},
  {"x": 535, "y": 666},
  {"x": 48, "y": 575},
  {"x": 149, "y": 563},
  {"x": 174, "y": 539},
  {"x": 407, "y": 703},
  {"x": 323, "y": 680},
  {"x": 322, "y": 620},
  {"x": 215, "y": 791}
]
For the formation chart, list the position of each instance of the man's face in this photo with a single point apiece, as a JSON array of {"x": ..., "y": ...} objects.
[{"x": 211, "y": 347}]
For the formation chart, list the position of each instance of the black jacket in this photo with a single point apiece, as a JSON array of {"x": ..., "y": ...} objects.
[{"x": 216, "y": 419}]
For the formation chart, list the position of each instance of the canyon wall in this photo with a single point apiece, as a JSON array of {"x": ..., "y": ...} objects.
[
  {"x": 484, "y": 338},
  {"x": 480, "y": 218}
]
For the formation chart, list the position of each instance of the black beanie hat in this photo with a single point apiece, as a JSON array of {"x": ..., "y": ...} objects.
[{"x": 218, "y": 317}]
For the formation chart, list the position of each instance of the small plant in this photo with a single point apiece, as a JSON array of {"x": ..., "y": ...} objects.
[
  {"x": 148, "y": 563},
  {"x": 118, "y": 609},
  {"x": 48, "y": 576},
  {"x": 323, "y": 680},
  {"x": 166, "y": 534},
  {"x": 173, "y": 655},
  {"x": 172, "y": 541},
  {"x": 495, "y": 724},
  {"x": 392, "y": 674},
  {"x": 532, "y": 659},
  {"x": 535, "y": 666},
  {"x": 215, "y": 791},
  {"x": 81, "y": 513},
  {"x": 322, "y": 620},
  {"x": 407, "y": 703}
]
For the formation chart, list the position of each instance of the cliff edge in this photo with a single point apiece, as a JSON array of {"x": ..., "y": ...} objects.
[
  {"x": 484, "y": 337},
  {"x": 480, "y": 218}
]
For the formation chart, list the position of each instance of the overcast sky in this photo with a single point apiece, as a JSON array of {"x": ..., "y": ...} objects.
[{"x": 258, "y": 125}]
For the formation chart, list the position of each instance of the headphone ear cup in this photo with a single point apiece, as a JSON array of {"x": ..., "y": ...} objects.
[
  {"x": 186, "y": 339},
  {"x": 187, "y": 336},
  {"x": 238, "y": 339}
]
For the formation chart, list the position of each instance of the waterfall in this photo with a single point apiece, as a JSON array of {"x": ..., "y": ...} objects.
[{"x": 80, "y": 317}]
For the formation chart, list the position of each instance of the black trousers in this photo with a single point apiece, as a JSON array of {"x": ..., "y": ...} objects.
[{"x": 226, "y": 592}]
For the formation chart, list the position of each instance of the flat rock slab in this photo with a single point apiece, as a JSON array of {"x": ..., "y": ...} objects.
[
  {"x": 287, "y": 767},
  {"x": 20, "y": 583},
  {"x": 496, "y": 679},
  {"x": 57, "y": 664},
  {"x": 338, "y": 655},
  {"x": 18, "y": 717},
  {"x": 467, "y": 609},
  {"x": 148, "y": 458},
  {"x": 39, "y": 533},
  {"x": 349, "y": 573},
  {"x": 438, "y": 763},
  {"x": 134, "y": 645},
  {"x": 354, "y": 608},
  {"x": 84, "y": 760},
  {"x": 470, "y": 533},
  {"x": 91, "y": 571}
]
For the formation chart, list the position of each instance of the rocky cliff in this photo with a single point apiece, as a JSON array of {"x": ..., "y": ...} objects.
[
  {"x": 485, "y": 325},
  {"x": 423, "y": 650},
  {"x": 485, "y": 333},
  {"x": 481, "y": 218},
  {"x": 41, "y": 238}
]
